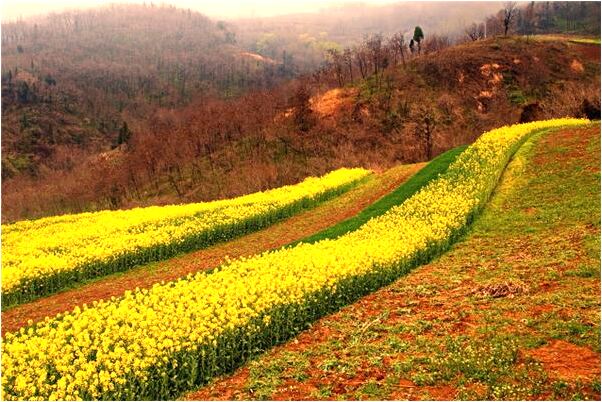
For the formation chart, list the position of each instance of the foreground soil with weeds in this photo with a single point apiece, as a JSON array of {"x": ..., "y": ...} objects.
[{"x": 511, "y": 312}]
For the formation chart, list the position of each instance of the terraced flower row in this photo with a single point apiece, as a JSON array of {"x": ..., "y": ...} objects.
[
  {"x": 49, "y": 254},
  {"x": 155, "y": 343}
]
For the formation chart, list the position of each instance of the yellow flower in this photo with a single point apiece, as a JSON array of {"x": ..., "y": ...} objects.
[
  {"x": 34, "y": 252},
  {"x": 89, "y": 349}
]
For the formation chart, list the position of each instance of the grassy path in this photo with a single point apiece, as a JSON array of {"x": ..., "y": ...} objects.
[
  {"x": 511, "y": 312},
  {"x": 431, "y": 171},
  {"x": 278, "y": 235}
]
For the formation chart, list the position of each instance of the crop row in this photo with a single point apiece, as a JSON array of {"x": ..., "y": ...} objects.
[
  {"x": 155, "y": 343},
  {"x": 46, "y": 255}
]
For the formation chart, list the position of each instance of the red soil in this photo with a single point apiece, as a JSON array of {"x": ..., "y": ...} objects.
[
  {"x": 563, "y": 360},
  {"x": 589, "y": 51}
]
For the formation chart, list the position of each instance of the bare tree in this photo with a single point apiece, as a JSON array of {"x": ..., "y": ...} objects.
[
  {"x": 475, "y": 31},
  {"x": 375, "y": 47},
  {"x": 348, "y": 61},
  {"x": 509, "y": 13},
  {"x": 303, "y": 115},
  {"x": 362, "y": 57},
  {"x": 425, "y": 129},
  {"x": 436, "y": 43},
  {"x": 398, "y": 46},
  {"x": 528, "y": 19},
  {"x": 337, "y": 62}
]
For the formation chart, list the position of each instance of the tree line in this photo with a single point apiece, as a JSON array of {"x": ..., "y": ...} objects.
[
  {"x": 375, "y": 54},
  {"x": 405, "y": 105},
  {"x": 541, "y": 17}
]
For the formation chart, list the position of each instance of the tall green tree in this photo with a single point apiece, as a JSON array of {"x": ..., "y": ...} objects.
[{"x": 418, "y": 36}]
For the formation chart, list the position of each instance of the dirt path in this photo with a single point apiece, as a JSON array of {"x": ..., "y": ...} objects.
[
  {"x": 511, "y": 312},
  {"x": 282, "y": 233}
]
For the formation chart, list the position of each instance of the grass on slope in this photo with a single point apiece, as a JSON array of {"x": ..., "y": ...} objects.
[
  {"x": 511, "y": 312},
  {"x": 431, "y": 171}
]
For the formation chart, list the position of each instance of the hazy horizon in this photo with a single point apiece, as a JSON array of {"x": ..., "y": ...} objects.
[{"x": 226, "y": 9}]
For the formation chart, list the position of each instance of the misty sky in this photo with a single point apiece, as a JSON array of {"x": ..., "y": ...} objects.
[{"x": 14, "y": 9}]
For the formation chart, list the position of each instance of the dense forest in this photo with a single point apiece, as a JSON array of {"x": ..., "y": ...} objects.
[{"x": 133, "y": 105}]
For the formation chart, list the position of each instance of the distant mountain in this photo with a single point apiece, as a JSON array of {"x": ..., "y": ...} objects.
[
  {"x": 305, "y": 36},
  {"x": 347, "y": 24}
]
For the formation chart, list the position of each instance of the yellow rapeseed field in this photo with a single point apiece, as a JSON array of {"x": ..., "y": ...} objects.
[
  {"x": 45, "y": 255},
  {"x": 155, "y": 343}
]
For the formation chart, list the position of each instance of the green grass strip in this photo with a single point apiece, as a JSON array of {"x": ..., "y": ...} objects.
[
  {"x": 590, "y": 41},
  {"x": 407, "y": 189}
]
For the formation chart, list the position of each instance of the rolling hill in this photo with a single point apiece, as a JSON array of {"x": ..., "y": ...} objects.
[
  {"x": 71, "y": 82},
  {"x": 215, "y": 148}
]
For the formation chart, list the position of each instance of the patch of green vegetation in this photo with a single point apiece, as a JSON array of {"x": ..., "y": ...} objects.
[
  {"x": 592, "y": 244},
  {"x": 577, "y": 330},
  {"x": 324, "y": 392},
  {"x": 562, "y": 390},
  {"x": 397, "y": 345},
  {"x": 517, "y": 97},
  {"x": 345, "y": 367},
  {"x": 585, "y": 271},
  {"x": 15, "y": 164},
  {"x": 371, "y": 391},
  {"x": 591, "y": 41},
  {"x": 431, "y": 171},
  {"x": 489, "y": 361},
  {"x": 264, "y": 379}
]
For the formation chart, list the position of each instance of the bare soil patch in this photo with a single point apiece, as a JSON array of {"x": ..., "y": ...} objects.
[
  {"x": 589, "y": 51},
  {"x": 332, "y": 102},
  {"x": 563, "y": 360}
]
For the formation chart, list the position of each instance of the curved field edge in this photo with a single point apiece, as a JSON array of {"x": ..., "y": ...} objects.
[
  {"x": 430, "y": 172},
  {"x": 233, "y": 344},
  {"x": 281, "y": 233},
  {"x": 52, "y": 283},
  {"x": 236, "y": 346},
  {"x": 511, "y": 312}
]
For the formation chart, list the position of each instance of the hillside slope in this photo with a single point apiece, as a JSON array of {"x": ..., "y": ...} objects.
[
  {"x": 511, "y": 312},
  {"x": 204, "y": 325},
  {"x": 71, "y": 80},
  {"x": 220, "y": 149}
]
